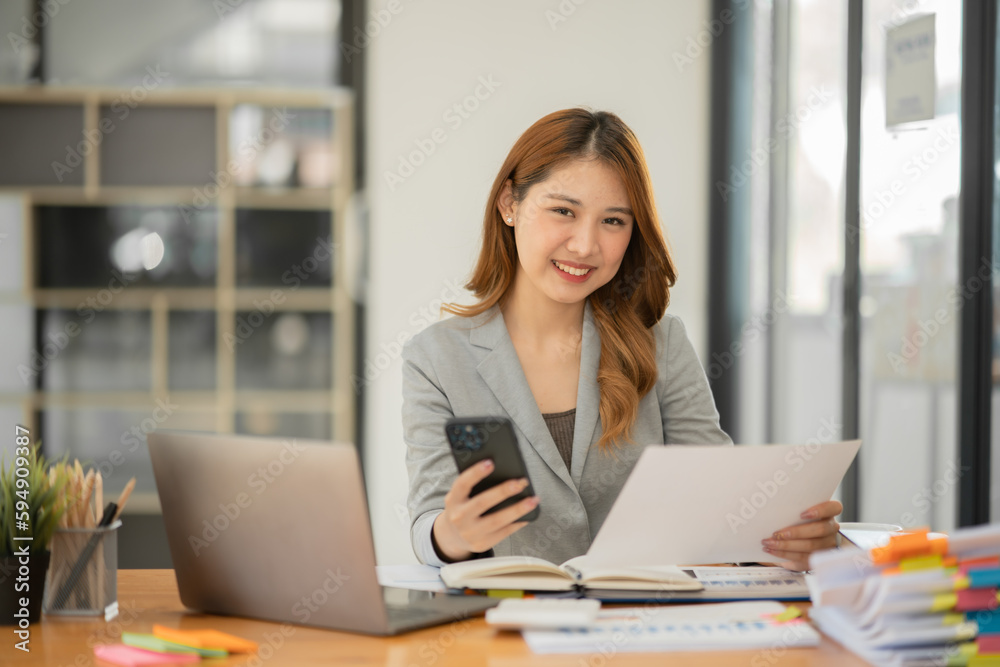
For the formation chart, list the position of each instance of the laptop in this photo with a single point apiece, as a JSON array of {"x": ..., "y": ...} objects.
[{"x": 278, "y": 529}]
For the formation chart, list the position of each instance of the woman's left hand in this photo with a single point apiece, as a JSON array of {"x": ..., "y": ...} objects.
[{"x": 795, "y": 543}]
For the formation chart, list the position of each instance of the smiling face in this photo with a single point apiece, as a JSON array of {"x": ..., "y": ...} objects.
[{"x": 571, "y": 231}]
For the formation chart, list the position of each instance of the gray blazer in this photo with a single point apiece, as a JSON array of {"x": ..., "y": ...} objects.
[{"x": 469, "y": 367}]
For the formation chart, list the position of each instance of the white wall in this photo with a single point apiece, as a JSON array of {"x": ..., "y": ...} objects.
[{"x": 616, "y": 56}]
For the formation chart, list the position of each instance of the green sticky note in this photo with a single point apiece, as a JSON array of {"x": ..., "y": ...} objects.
[
  {"x": 498, "y": 593},
  {"x": 153, "y": 643}
]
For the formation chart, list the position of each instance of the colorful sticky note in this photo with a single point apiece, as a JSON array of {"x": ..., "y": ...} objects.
[
  {"x": 908, "y": 545},
  {"x": 920, "y": 562},
  {"x": 205, "y": 638},
  {"x": 986, "y": 623},
  {"x": 944, "y": 602},
  {"x": 973, "y": 599},
  {"x": 130, "y": 656},
  {"x": 984, "y": 578},
  {"x": 988, "y": 644},
  {"x": 791, "y": 613},
  {"x": 984, "y": 661},
  {"x": 503, "y": 593},
  {"x": 156, "y": 644},
  {"x": 983, "y": 562}
]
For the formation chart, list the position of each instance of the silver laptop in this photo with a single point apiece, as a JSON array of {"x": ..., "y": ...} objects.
[{"x": 278, "y": 529}]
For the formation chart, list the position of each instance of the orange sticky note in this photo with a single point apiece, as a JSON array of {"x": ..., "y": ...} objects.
[
  {"x": 908, "y": 545},
  {"x": 205, "y": 638}
]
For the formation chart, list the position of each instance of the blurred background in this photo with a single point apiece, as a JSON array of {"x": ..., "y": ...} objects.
[{"x": 228, "y": 216}]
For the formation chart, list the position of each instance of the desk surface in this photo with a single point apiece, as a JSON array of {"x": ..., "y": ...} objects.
[{"x": 150, "y": 596}]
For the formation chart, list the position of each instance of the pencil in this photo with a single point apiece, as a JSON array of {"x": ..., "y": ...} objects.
[
  {"x": 98, "y": 496},
  {"x": 88, "y": 491},
  {"x": 99, "y": 586},
  {"x": 123, "y": 498}
]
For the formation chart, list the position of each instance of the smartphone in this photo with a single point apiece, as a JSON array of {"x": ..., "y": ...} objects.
[{"x": 473, "y": 439}]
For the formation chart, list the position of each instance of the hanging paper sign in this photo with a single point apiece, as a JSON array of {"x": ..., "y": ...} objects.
[{"x": 910, "y": 83}]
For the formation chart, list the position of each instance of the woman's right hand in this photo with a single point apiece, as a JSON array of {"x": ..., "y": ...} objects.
[{"x": 461, "y": 529}]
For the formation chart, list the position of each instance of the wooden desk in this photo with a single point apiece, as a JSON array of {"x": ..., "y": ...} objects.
[{"x": 150, "y": 596}]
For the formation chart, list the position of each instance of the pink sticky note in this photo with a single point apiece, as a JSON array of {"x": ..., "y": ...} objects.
[{"x": 120, "y": 654}]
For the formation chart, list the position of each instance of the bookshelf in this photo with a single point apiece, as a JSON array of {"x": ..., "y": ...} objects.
[{"x": 182, "y": 251}]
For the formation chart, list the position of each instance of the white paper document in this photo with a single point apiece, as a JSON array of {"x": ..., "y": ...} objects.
[
  {"x": 714, "y": 504},
  {"x": 714, "y": 626},
  {"x": 413, "y": 577}
]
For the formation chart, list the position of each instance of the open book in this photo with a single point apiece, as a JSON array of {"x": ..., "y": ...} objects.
[{"x": 535, "y": 574}]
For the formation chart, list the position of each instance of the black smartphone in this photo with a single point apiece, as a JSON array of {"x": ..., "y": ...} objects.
[{"x": 473, "y": 439}]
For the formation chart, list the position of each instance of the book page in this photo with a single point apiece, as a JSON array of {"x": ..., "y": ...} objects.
[
  {"x": 456, "y": 575},
  {"x": 587, "y": 573}
]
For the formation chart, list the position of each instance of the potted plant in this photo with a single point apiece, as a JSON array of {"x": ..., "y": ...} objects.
[{"x": 31, "y": 504}]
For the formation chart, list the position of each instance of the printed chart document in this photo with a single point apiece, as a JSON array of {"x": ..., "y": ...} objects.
[
  {"x": 719, "y": 584},
  {"x": 713, "y": 504},
  {"x": 713, "y": 626}
]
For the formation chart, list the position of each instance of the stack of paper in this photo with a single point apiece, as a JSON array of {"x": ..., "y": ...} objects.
[
  {"x": 718, "y": 626},
  {"x": 923, "y": 599},
  {"x": 171, "y": 646}
]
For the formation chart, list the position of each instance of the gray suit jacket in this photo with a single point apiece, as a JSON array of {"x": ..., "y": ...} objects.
[{"x": 468, "y": 367}]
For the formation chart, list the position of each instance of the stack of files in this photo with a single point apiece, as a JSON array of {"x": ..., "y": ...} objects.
[
  {"x": 924, "y": 599},
  {"x": 664, "y": 583},
  {"x": 172, "y": 646},
  {"x": 713, "y": 626},
  {"x": 718, "y": 584}
]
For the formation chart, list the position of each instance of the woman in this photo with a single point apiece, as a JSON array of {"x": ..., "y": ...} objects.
[{"x": 569, "y": 340}]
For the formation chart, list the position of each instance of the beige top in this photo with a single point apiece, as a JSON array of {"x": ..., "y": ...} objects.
[{"x": 561, "y": 427}]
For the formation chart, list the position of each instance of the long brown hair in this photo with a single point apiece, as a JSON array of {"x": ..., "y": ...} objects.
[{"x": 626, "y": 307}]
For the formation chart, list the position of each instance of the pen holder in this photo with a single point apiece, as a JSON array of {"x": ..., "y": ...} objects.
[{"x": 83, "y": 572}]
